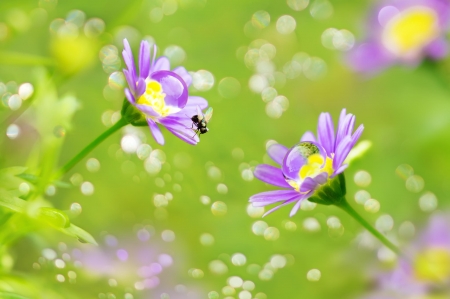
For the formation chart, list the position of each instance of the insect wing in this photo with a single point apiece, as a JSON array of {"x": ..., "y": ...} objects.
[
  {"x": 199, "y": 114},
  {"x": 208, "y": 114}
]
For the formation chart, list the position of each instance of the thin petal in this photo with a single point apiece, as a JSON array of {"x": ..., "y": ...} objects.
[
  {"x": 130, "y": 80},
  {"x": 271, "y": 175},
  {"x": 295, "y": 159},
  {"x": 127, "y": 55},
  {"x": 161, "y": 64},
  {"x": 296, "y": 207},
  {"x": 195, "y": 101},
  {"x": 343, "y": 128},
  {"x": 325, "y": 132},
  {"x": 277, "y": 152},
  {"x": 156, "y": 132},
  {"x": 270, "y": 197},
  {"x": 308, "y": 185},
  {"x": 308, "y": 136},
  {"x": 369, "y": 57},
  {"x": 129, "y": 96},
  {"x": 179, "y": 127},
  {"x": 342, "y": 150},
  {"x": 174, "y": 87},
  {"x": 280, "y": 206},
  {"x": 340, "y": 170},
  {"x": 357, "y": 134},
  {"x": 144, "y": 59},
  {"x": 140, "y": 88},
  {"x": 147, "y": 110},
  {"x": 183, "y": 73},
  {"x": 437, "y": 49},
  {"x": 321, "y": 178}
]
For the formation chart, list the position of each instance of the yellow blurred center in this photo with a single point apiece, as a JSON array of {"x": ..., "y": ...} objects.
[
  {"x": 411, "y": 30},
  {"x": 315, "y": 165},
  {"x": 154, "y": 97},
  {"x": 433, "y": 265}
]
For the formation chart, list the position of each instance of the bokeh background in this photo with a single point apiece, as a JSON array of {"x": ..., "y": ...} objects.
[{"x": 180, "y": 211}]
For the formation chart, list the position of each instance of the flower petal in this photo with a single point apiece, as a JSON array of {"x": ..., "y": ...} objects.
[
  {"x": 295, "y": 159},
  {"x": 342, "y": 150},
  {"x": 343, "y": 127},
  {"x": 129, "y": 96},
  {"x": 437, "y": 49},
  {"x": 308, "y": 185},
  {"x": 127, "y": 55},
  {"x": 271, "y": 175},
  {"x": 140, "y": 87},
  {"x": 173, "y": 86},
  {"x": 277, "y": 152},
  {"x": 325, "y": 132},
  {"x": 297, "y": 206},
  {"x": 369, "y": 57},
  {"x": 270, "y": 197},
  {"x": 183, "y": 73},
  {"x": 144, "y": 59},
  {"x": 308, "y": 136},
  {"x": 280, "y": 206},
  {"x": 156, "y": 132},
  {"x": 130, "y": 80},
  {"x": 180, "y": 128},
  {"x": 161, "y": 64}
]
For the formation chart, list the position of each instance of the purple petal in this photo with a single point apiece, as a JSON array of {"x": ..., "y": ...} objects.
[
  {"x": 140, "y": 87},
  {"x": 127, "y": 55},
  {"x": 321, "y": 178},
  {"x": 343, "y": 128},
  {"x": 195, "y": 101},
  {"x": 437, "y": 49},
  {"x": 369, "y": 57},
  {"x": 325, "y": 132},
  {"x": 437, "y": 233},
  {"x": 270, "y": 197},
  {"x": 161, "y": 64},
  {"x": 180, "y": 128},
  {"x": 183, "y": 73},
  {"x": 308, "y": 185},
  {"x": 173, "y": 86},
  {"x": 340, "y": 170},
  {"x": 130, "y": 80},
  {"x": 156, "y": 132},
  {"x": 144, "y": 59},
  {"x": 342, "y": 150},
  {"x": 280, "y": 206},
  {"x": 277, "y": 152},
  {"x": 308, "y": 136},
  {"x": 271, "y": 175},
  {"x": 129, "y": 96},
  {"x": 297, "y": 206},
  {"x": 148, "y": 110},
  {"x": 357, "y": 134}
]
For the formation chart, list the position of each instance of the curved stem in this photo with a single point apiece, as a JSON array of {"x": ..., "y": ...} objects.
[
  {"x": 343, "y": 204},
  {"x": 122, "y": 122}
]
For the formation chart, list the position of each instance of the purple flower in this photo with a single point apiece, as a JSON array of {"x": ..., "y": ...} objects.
[
  {"x": 403, "y": 31},
  {"x": 427, "y": 271},
  {"x": 161, "y": 95},
  {"x": 307, "y": 166}
]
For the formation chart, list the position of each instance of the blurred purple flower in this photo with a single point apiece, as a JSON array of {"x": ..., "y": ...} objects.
[
  {"x": 428, "y": 269},
  {"x": 160, "y": 94},
  {"x": 403, "y": 31},
  {"x": 309, "y": 164}
]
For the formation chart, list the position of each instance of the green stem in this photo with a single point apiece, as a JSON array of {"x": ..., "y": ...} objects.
[
  {"x": 122, "y": 122},
  {"x": 343, "y": 204}
]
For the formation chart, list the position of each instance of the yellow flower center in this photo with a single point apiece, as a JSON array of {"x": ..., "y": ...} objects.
[
  {"x": 411, "y": 30},
  {"x": 433, "y": 265},
  {"x": 314, "y": 166},
  {"x": 154, "y": 97}
]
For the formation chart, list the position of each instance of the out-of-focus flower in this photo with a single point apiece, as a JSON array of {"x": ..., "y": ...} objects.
[
  {"x": 310, "y": 165},
  {"x": 426, "y": 274},
  {"x": 403, "y": 31},
  {"x": 159, "y": 95}
]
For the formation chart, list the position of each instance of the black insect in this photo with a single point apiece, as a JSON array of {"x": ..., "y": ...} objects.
[{"x": 200, "y": 121}]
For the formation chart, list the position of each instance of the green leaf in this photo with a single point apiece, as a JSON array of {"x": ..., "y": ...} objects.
[
  {"x": 11, "y": 202},
  {"x": 9, "y": 295},
  {"x": 82, "y": 235},
  {"x": 54, "y": 217}
]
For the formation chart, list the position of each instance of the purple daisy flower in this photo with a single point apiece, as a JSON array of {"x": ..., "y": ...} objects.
[
  {"x": 160, "y": 94},
  {"x": 427, "y": 271},
  {"x": 403, "y": 31},
  {"x": 309, "y": 165}
]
